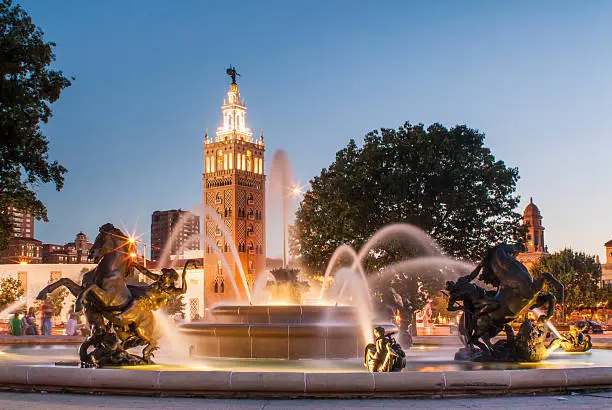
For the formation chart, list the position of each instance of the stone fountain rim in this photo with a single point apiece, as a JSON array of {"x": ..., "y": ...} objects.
[{"x": 301, "y": 384}]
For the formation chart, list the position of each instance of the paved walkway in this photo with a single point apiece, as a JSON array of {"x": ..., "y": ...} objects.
[{"x": 20, "y": 401}]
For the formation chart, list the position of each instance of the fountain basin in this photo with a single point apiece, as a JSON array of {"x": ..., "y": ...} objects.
[
  {"x": 283, "y": 314},
  {"x": 289, "y": 332},
  {"x": 274, "y": 341}
]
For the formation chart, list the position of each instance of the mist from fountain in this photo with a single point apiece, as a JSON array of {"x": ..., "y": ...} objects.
[
  {"x": 259, "y": 294},
  {"x": 166, "y": 251},
  {"x": 340, "y": 252},
  {"x": 173, "y": 344},
  {"x": 12, "y": 307},
  {"x": 279, "y": 182},
  {"x": 360, "y": 298},
  {"x": 229, "y": 239}
]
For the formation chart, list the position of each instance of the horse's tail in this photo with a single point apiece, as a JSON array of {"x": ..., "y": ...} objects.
[{"x": 69, "y": 284}]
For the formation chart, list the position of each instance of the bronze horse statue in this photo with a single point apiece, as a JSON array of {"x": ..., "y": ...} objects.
[
  {"x": 487, "y": 312},
  {"x": 105, "y": 294}
]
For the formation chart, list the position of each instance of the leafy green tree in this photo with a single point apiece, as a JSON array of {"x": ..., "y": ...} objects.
[
  {"x": 10, "y": 291},
  {"x": 28, "y": 87},
  {"x": 443, "y": 180},
  {"x": 579, "y": 273}
]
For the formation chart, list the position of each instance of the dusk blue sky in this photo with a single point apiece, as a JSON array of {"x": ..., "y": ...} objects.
[{"x": 536, "y": 77}]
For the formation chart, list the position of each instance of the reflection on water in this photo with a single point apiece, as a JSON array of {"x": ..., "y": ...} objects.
[{"x": 420, "y": 358}]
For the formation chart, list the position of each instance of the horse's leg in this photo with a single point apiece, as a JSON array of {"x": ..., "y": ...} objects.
[{"x": 69, "y": 284}]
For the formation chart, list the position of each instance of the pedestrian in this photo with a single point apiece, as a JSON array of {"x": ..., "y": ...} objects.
[
  {"x": 71, "y": 325},
  {"x": 30, "y": 319},
  {"x": 15, "y": 325},
  {"x": 47, "y": 314}
]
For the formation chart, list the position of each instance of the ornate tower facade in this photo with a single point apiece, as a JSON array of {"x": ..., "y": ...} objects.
[
  {"x": 234, "y": 186},
  {"x": 532, "y": 218}
]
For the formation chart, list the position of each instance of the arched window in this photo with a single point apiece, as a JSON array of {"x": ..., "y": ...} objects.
[
  {"x": 219, "y": 285},
  {"x": 249, "y": 161},
  {"x": 220, "y": 161}
]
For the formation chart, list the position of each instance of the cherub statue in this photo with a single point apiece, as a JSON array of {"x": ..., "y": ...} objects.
[{"x": 385, "y": 354}]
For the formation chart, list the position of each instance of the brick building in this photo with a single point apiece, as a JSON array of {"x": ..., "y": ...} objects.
[
  {"x": 181, "y": 228},
  {"x": 234, "y": 189},
  {"x": 72, "y": 252}
]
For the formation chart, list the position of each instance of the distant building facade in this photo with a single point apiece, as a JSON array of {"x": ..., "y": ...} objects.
[
  {"x": 22, "y": 250},
  {"x": 606, "y": 268},
  {"x": 72, "y": 252},
  {"x": 536, "y": 248},
  {"x": 163, "y": 226},
  {"x": 22, "y": 223},
  {"x": 234, "y": 186},
  {"x": 22, "y": 247}
]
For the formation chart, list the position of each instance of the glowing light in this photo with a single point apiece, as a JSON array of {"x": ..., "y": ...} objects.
[
  {"x": 131, "y": 239},
  {"x": 296, "y": 190},
  {"x": 133, "y": 255},
  {"x": 23, "y": 262}
]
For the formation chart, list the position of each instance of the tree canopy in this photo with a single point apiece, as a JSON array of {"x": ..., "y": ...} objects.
[
  {"x": 443, "y": 180},
  {"x": 28, "y": 87},
  {"x": 10, "y": 291},
  {"x": 579, "y": 273}
]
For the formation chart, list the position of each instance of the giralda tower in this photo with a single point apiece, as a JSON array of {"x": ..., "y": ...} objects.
[{"x": 234, "y": 185}]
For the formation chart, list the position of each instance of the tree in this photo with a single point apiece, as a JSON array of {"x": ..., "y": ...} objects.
[
  {"x": 579, "y": 273},
  {"x": 28, "y": 87},
  {"x": 55, "y": 300},
  {"x": 443, "y": 180},
  {"x": 10, "y": 291}
]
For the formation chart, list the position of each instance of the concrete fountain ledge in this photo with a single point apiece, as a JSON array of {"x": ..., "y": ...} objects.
[{"x": 295, "y": 384}]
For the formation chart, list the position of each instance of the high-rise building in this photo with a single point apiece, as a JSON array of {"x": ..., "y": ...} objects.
[
  {"x": 22, "y": 223},
  {"x": 180, "y": 228},
  {"x": 234, "y": 187},
  {"x": 532, "y": 220},
  {"x": 22, "y": 247}
]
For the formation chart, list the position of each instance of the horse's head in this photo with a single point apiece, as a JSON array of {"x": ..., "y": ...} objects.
[{"x": 111, "y": 240}]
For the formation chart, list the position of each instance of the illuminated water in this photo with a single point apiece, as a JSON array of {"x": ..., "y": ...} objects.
[{"x": 419, "y": 358}]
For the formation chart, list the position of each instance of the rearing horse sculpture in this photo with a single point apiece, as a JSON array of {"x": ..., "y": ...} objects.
[
  {"x": 488, "y": 312},
  {"x": 105, "y": 294}
]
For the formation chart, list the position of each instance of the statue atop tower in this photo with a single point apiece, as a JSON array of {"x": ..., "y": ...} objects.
[{"x": 231, "y": 71}]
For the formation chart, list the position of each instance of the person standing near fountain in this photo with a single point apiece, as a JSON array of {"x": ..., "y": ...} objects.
[
  {"x": 47, "y": 314},
  {"x": 29, "y": 323},
  {"x": 15, "y": 325}
]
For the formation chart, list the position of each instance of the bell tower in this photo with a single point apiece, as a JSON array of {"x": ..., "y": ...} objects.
[
  {"x": 234, "y": 185},
  {"x": 532, "y": 219}
]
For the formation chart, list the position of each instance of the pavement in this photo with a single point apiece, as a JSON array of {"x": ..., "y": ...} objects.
[{"x": 51, "y": 401}]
